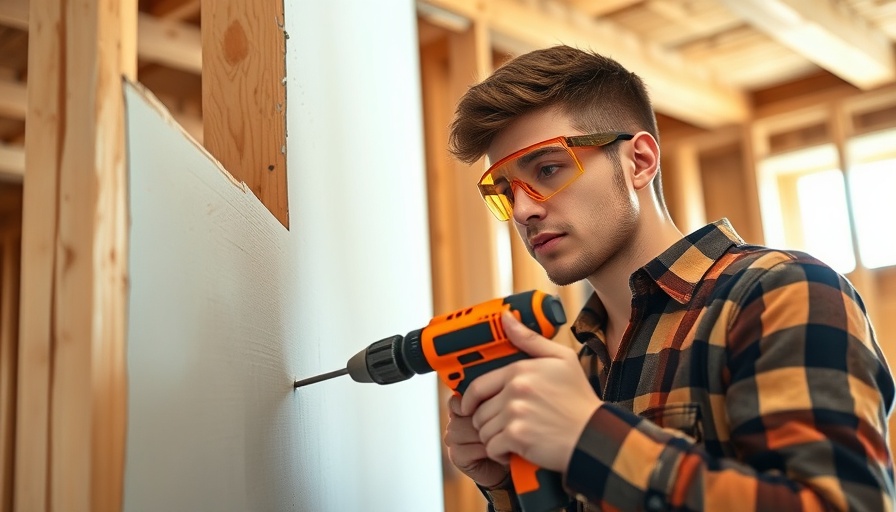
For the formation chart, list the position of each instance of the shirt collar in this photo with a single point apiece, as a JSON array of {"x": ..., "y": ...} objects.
[
  {"x": 676, "y": 271},
  {"x": 680, "y": 267}
]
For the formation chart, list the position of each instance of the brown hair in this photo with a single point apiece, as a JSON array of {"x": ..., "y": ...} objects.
[{"x": 597, "y": 92}]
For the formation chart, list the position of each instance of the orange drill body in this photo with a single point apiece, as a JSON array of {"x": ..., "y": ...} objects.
[
  {"x": 466, "y": 343},
  {"x": 461, "y": 346}
]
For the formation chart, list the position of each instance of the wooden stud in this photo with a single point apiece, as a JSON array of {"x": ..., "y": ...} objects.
[
  {"x": 472, "y": 227},
  {"x": 71, "y": 389},
  {"x": 684, "y": 188},
  {"x": 9, "y": 339},
  {"x": 462, "y": 236},
  {"x": 752, "y": 232},
  {"x": 244, "y": 95}
]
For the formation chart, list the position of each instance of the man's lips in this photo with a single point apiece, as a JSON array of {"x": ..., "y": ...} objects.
[{"x": 541, "y": 239}]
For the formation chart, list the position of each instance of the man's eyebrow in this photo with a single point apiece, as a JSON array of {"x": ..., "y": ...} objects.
[{"x": 532, "y": 155}]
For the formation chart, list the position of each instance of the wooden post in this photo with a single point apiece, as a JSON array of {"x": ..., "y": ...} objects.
[
  {"x": 473, "y": 230},
  {"x": 244, "y": 95},
  {"x": 684, "y": 188},
  {"x": 72, "y": 390},
  {"x": 10, "y": 249},
  {"x": 462, "y": 232}
]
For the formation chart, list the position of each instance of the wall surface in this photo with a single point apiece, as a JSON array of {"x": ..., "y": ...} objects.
[{"x": 227, "y": 307}]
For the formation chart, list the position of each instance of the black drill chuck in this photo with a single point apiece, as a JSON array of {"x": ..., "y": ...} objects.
[{"x": 389, "y": 360}]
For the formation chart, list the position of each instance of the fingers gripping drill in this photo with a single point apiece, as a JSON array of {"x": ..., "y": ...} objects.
[{"x": 459, "y": 347}]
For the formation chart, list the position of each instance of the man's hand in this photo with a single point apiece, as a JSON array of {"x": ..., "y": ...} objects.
[
  {"x": 536, "y": 408},
  {"x": 467, "y": 452}
]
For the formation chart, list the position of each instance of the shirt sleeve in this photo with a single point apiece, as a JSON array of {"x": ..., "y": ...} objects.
[
  {"x": 501, "y": 498},
  {"x": 807, "y": 401}
]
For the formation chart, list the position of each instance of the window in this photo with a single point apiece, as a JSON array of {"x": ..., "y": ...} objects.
[
  {"x": 808, "y": 203},
  {"x": 872, "y": 186}
]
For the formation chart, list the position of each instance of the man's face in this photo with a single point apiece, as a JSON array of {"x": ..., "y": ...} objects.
[{"x": 576, "y": 231}]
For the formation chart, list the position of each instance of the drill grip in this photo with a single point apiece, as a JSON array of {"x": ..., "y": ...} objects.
[
  {"x": 470, "y": 343},
  {"x": 538, "y": 490}
]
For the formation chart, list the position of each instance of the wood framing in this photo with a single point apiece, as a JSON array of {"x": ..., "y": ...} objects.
[
  {"x": 683, "y": 188},
  {"x": 10, "y": 250},
  {"x": 462, "y": 231},
  {"x": 519, "y": 27},
  {"x": 173, "y": 43},
  {"x": 12, "y": 162},
  {"x": 167, "y": 41},
  {"x": 244, "y": 95},
  {"x": 71, "y": 387},
  {"x": 13, "y": 99},
  {"x": 828, "y": 33}
]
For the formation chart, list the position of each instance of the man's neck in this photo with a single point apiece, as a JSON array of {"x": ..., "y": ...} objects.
[{"x": 611, "y": 281}]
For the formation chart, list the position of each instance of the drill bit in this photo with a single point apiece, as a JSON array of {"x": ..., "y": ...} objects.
[{"x": 318, "y": 378}]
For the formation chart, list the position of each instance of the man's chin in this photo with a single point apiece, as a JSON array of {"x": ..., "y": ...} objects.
[{"x": 565, "y": 277}]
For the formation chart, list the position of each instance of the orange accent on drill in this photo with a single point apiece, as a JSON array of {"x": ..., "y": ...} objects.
[{"x": 459, "y": 347}]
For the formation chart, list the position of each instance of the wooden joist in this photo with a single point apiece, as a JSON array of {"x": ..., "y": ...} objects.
[
  {"x": 12, "y": 162},
  {"x": 163, "y": 41},
  {"x": 828, "y": 33},
  {"x": 676, "y": 89},
  {"x": 13, "y": 99}
]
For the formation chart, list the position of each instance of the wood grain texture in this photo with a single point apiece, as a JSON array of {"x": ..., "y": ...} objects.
[
  {"x": 70, "y": 426},
  {"x": 10, "y": 265},
  {"x": 244, "y": 95}
]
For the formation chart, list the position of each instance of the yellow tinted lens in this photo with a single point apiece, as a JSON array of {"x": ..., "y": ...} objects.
[
  {"x": 497, "y": 196},
  {"x": 499, "y": 205}
]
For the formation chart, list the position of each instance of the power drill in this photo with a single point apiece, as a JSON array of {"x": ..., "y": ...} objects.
[{"x": 459, "y": 347}]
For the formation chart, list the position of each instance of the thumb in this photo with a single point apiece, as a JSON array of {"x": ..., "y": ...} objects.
[{"x": 526, "y": 339}]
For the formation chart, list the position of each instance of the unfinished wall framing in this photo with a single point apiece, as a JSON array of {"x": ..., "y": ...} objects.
[{"x": 71, "y": 387}]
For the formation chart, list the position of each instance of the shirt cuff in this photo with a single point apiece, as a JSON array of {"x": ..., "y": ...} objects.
[
  {"x": 622, "y": 461},
  {"x": 502, "y": 497}
]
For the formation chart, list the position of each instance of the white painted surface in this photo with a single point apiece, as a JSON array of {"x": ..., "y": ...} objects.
[{"x": 227, "y": 307}]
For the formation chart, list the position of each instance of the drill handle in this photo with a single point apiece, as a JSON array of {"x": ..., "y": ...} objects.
[{"x": 538, "y": 490}]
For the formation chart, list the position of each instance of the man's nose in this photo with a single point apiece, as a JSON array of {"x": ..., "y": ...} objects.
[{"x": 524, "y": 207}]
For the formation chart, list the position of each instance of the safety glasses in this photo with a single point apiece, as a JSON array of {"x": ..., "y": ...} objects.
[{"x": 540, "y": 170}]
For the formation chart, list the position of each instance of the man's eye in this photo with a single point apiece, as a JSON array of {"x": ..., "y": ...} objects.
[
  {"x": 502, "y": 186},
  {"x": 547, "y": 170}
]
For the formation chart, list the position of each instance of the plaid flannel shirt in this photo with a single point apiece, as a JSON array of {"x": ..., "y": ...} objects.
[{"x": 749, "y": 379}]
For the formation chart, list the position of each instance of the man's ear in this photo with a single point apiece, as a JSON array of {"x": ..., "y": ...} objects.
[{"x": 646, "y": 158}]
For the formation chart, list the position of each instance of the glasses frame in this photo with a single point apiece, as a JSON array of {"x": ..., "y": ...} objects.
[{"x": 574, "y": 141}]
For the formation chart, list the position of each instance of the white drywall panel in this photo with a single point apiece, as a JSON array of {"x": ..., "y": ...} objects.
[
  {"x": 227, "y": 307},
  {"x": 358, "y": 207}
]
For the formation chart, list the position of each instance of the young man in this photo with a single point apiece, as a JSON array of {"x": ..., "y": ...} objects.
[{"x": 717, "y": 375}]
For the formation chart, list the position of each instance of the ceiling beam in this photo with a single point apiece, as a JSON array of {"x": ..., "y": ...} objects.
[
  {"x": 14, "y": 13},
  {"x": 172, "y": 43},
  {"x": 596, "y": 9},
  {"x": 13, "y": 99},
  {"x": 176, "y": 9},
  {"x": 169, "y": 42},
  {"x": 12, "y": 163},
  {"x": 676, "y": 88},
  {"x": 828, "y": 33}
]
